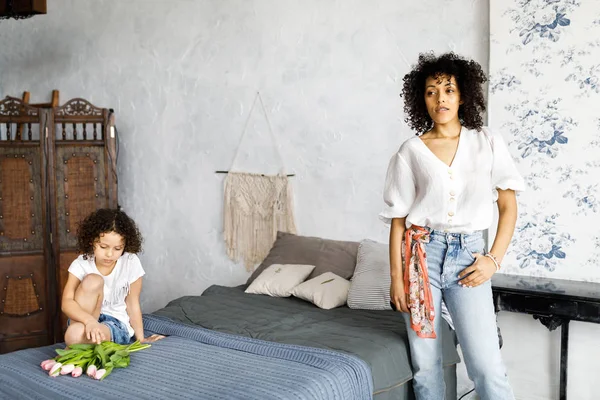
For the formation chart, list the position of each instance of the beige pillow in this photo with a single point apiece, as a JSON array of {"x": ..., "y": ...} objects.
[
  {"x": 278, "y": 280},
  {"x": 326, "y": 291}
]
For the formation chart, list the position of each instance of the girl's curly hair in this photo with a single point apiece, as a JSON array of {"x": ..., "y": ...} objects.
[
  {"x": 469, "y": 77},
  {"x": 105, "y": 221}
]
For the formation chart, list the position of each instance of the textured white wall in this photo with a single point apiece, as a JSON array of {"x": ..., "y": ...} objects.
[{"x": 181, "y": 76}]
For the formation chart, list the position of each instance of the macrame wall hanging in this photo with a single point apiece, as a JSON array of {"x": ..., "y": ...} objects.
[{"x": 256, "y": 206}]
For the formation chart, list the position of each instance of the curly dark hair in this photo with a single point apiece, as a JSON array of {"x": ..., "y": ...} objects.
[
  {"x": 469, "y": 77},
  {"x": 107, "y": 220}
]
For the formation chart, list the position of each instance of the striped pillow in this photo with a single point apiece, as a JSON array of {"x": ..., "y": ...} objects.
[{"x": 370, "y": 285}]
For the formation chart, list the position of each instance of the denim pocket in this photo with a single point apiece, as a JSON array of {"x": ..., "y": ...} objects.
[{"x": 475, "y": 246}]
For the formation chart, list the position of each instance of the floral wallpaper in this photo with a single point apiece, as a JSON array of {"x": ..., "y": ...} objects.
[{"x": 544, "y": 97}]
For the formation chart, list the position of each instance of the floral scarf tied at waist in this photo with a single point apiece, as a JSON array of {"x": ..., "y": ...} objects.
[{"x": 416, "y": 282}]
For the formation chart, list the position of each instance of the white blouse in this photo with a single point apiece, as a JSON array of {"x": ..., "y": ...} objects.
[{"x": 457, "y": 198}]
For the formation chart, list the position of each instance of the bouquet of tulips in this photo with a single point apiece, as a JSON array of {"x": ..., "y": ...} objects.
[{"x": 98, "y": 360}]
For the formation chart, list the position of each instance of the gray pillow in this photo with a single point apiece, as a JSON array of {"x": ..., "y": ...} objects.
[
  {"x": 370, "y": 286},
  {"x": 325, "y": 254}
]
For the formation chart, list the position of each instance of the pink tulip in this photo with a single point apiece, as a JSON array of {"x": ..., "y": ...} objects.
[
  {"x": 77, "y": 372},
  {"x": 91, "y": 371},
  {"x": 47, "y": 364},
  {"x": 67, "y": 369},
  {"x": 99, "y": 374},
  {"x": 55, "y": 371}
]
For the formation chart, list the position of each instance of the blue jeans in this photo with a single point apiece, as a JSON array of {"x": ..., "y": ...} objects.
[
  {"x": 472, "y": 311},
  {"x": 118, "y": 331}
]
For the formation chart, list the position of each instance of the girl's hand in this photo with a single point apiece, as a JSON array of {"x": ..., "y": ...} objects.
[
  {"x": 479, "y": 272},
  {"x": 152, "y": 338},
  {"x": 397, "y": 295},
  {"x": 93, "y": 332}
]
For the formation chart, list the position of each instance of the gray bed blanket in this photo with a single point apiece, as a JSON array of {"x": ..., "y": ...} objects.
[
  {"x": 197, "y": 363},
  {"x": 377, "y": 337}
]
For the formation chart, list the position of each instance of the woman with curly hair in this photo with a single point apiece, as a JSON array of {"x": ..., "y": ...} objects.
[
  {"x": 102, "y": 293},
  {"x": 439, "y": 194}
]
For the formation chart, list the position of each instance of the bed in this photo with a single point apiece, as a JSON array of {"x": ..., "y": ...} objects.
[
  {"x": 228, "y": 344},
  {"x": 376, "y": 337}
]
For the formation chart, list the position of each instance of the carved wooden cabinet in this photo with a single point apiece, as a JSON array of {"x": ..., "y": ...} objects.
[{"x": 56, "y": 166}]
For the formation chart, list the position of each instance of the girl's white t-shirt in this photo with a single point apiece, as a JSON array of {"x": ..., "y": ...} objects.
[
  {"x": 116, "y": 285},
  {"x": 458, "y": 198}
]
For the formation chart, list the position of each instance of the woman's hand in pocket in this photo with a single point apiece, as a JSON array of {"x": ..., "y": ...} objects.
[{"x": 479, "y": 272}]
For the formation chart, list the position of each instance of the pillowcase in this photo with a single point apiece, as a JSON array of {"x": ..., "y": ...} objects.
[
  {"x": 326, "y": 255},
  {"x": 326, "y": 291},
  {"x": 278, "y": 280},
  {"x": 370, "y": 286}
]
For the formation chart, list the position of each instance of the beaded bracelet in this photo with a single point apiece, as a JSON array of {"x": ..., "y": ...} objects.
[{"x": 494, "y": 259}]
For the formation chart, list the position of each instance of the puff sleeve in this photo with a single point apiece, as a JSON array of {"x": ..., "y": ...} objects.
[
  {"x": 505, "y": 174},
  {"x": 399, "y": 191}
]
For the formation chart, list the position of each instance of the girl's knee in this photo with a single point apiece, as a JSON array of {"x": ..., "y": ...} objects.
[
  {"x": 75, "y": 334},
  {"x": 92, "y": 283}
]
